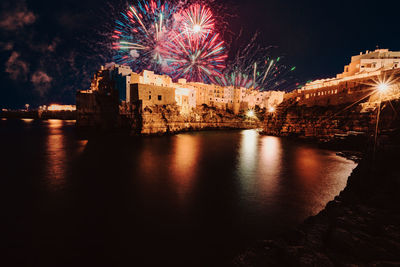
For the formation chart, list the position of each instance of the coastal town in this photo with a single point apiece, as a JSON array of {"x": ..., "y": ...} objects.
[
  {"x": 117, "y": 92},
  {"x": 200, "y": 133},
  {"x": 119, "y": 97}
]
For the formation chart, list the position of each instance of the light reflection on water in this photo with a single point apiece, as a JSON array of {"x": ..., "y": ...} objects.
[
  {"x": 307, "y": 166},
  {"x": 55, "y": 154},
  {"x": 56, "y": 157},
  {"x": 199, "y": 192},
  {"x": 269, "y": 165},
  {"x": 184, "y": 162}
]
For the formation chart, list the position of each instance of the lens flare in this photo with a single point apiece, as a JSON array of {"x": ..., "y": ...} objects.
[{"x": 383, "y": 87}]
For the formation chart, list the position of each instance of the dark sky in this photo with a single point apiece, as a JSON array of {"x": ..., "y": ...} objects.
[{"x": 50, "y": 49}]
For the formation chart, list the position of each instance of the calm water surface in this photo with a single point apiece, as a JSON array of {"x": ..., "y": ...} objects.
[{"x": 189, "y": 199}]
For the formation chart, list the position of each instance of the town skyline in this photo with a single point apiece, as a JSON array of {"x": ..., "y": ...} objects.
[{"x": 58, "y": 67}]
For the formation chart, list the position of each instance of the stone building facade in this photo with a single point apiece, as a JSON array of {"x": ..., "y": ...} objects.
[
  {"x": 150, "y": 95},
  {"x": 357, "y": 83},
  {"x": 149, "y": 89}
]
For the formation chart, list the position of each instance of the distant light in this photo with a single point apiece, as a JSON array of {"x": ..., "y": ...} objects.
[
  {"x": 271, "y": 109},
  {"x": 196, "y": 28},
  {"x": 250, "y": 113},
  {"x": 383, "y": 87},
  {"x": 56, "y": 107}
]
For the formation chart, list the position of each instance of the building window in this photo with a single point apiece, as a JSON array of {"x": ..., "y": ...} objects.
[
  {"x": 159, "y": 97},
  {"x": 149, "y": 97}
]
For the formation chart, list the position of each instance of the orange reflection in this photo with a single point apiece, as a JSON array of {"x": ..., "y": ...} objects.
[
  {"x": 320, "y": 174},
  {"x": 149, "y": 163},
  {"x": 248, "y": 156},
  {"x": 82, "y": 145},
  {"x": 55, "y": 124},
  {"x": 27, "y": 120},
  {"x": 269, "y": 164},
  {"x": 70, "y": 122},
  {"x": 55, "y": 155},
  {"x": 307, "y": 164},
  {"x": 184, "y": 162}
]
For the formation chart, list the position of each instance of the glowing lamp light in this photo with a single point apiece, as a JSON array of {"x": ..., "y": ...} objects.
[
  {"x": 271, "y": 109},
  {"x": 196, "y": 28},
  {"x": 250, "y": 113},
  {"x": 56, "y": 107},
  {"x": 383, "y": 87}
]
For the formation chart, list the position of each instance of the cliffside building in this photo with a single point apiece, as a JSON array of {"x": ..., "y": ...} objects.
[
  {"x": 150, "y": 89},
  {"x": 358, "y": 81}
]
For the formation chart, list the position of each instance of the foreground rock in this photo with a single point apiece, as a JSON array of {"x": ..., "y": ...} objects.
[{"x": 360, "y": 227}]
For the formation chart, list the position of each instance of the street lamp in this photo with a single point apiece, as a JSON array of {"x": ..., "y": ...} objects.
[
  {"x": 383, "y": 87},
  {"x": 250, "y": 113}
]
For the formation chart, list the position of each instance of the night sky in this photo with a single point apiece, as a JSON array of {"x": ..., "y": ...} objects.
[{"x": 50, "y": 49}]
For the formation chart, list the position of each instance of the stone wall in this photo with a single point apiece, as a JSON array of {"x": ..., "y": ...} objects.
[
  {"x": 99, "y": 111},
  {"x": 291, "y": 119}
]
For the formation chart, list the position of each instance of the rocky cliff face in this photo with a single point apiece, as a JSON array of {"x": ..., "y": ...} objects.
[
  {"x": 361, "y": 226},
  {"x": 103, "y": 112},
  {"x": 167, "y": 119},
  {"x": 320, "y": 122}
]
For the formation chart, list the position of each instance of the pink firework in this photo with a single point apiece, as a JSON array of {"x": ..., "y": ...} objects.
[
  {"x": 197, "y": 21},
  {"x": 197, "y": 59}
]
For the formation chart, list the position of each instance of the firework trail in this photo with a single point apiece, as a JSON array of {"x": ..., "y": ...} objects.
[
  {"x": 177, "y": 40},
  {"x": 181, "y": 39},
  {"x": 141, "y": 34},
  {"x": 197, "y": 21},
  {"x": 196, "y": 51},
  {"x": 253, "y": 66},
  {"x": 197, "y": 59}
]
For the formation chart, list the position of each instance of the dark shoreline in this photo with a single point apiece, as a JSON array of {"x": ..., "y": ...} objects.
[{"x": 361, "y": 226}]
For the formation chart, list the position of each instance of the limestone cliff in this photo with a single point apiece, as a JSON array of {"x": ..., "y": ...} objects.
[
  {"x": 321, "y": 122},
  {"x": 361, "y": 226},
  {"x": 99, "y": 111},
  {"x": 168, "y": 119}
]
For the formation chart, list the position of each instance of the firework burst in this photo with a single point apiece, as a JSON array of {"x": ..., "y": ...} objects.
[
  {"x": 196, "y": 51},
  {"x": 168, "y": 39},
  {"x": 183, "y": 42},
  {"x": 197, "y": 21},
  {"x": 140, "y": 35},
  {"x": 254, "y": 67},
  {"x": 198, "y": 59}
]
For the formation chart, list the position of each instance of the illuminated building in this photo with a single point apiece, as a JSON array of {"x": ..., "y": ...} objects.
[
  {"x": 150, "y": 89},
  {"x": 355, "y": 83},
  {"x": 57, "y": 107}
]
